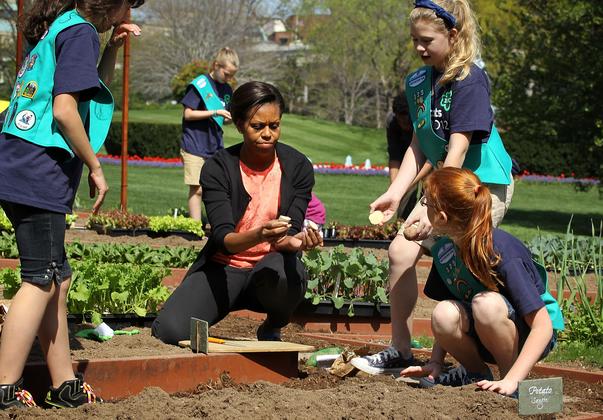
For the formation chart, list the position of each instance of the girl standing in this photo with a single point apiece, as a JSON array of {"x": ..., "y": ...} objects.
[
  {"x": 449, "y": 101},
  {"x": 58, "y": 118},
  {"x": 494, "y": 304}
]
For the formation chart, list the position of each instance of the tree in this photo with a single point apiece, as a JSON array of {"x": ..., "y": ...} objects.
[
  {"x": 360, "y": 46},
  {"x": 178, "y": 32},
  {"x": 548, "y": 86}
]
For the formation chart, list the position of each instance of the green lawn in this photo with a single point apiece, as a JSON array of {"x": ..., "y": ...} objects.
[
  {"x": 320, "y": 140},
  {"x": 549, "y": 206}
]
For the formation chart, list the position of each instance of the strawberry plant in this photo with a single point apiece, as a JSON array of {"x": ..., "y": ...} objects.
[{"x": 345, "y": 277}]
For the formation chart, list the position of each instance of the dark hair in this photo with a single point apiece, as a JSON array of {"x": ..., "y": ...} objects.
[
  {"x": 250, "y": 96},
  {"x": 400, "y": 105},
  {"x": 43, "y": 12}
]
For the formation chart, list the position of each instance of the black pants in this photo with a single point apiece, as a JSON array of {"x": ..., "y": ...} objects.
[{"x": 275, "y": 286}]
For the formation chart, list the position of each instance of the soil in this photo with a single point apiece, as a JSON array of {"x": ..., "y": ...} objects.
[{"x": 314, "y": 394}]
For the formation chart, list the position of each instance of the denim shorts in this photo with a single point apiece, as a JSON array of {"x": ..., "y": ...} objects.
[
  {"x": 41, "y": 243},
  {"x": 523, "y": 331}
]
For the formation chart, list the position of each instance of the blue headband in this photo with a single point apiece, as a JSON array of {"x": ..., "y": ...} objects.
[{"x": 449, "y": 20}]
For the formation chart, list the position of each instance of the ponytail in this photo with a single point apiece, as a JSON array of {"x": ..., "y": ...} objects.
[
  {"x": 467, "y": 45},
  {"x": 41, "y": 15},
  {"x": 467, "y": 203}
]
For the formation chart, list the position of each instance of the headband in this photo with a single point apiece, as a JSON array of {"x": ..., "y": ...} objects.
[{"x": 449, "y": 20}]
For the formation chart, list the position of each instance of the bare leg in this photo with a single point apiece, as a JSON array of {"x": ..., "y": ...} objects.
[
  {"x": 54, "y": 337},
  {"x": 496, "y": 331},
  {"x": 403, "y": 256},
  {"x": 20, "y": 327},
  {"x": 450, "y": 325},
  {"x": 194, "y": 201}
]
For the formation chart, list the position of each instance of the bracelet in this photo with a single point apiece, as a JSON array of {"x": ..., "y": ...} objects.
[{"x": 215, "y": 113}]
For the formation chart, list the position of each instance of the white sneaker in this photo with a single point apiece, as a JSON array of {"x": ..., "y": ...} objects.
[{"x": 387, "y": 362}]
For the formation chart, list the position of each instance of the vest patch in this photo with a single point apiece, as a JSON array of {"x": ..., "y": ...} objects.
[
  {"x": 25, "y": 120},
  {"x": 32, "y": 62},
  {"x": 31, "y": 88}
]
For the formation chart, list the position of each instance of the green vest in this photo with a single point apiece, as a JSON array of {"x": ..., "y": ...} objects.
[
  {"x": 464, "y": 286},
  {"x": 490, "y": 161},
  {"x": 30, "y": 114},
  {"x": 209, "y": 97}
]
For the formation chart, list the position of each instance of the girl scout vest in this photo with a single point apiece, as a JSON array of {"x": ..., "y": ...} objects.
[
  {"x": 209, "y": 97},
  {"x": 30, "y": 112},
  {"x": 464, "y": 286},
  {"x": 490, "y": 161}
]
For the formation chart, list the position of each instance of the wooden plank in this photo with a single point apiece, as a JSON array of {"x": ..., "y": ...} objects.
[{"x": 245, "y": 346}]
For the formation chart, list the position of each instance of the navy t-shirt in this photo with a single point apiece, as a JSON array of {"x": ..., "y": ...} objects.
[
  {"x": 398, "y": 140},
  {"x": 463, "y": 106},
  {"x": 48, "y": 178},
  {"x": 522, "y": 285},
  {"x": 203, "y": 137}
]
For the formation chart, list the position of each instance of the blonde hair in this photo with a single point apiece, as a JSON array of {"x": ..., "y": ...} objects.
[
  {"x": 467, "y": 45},
  {"x": 226, "y": 56},
  {"x": 467, "y": 203}
]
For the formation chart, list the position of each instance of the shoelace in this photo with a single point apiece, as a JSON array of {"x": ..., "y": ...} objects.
[
  {"x": 89, "y": 392},
  {"x": 25, "y": 398}
]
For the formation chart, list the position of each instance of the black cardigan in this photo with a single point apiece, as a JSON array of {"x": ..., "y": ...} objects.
[{"x": 226, "y": 199}]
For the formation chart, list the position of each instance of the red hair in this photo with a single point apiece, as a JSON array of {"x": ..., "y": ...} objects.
[{"x": 467, "y": 203}]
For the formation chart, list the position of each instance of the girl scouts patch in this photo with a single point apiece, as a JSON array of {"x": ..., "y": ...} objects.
[
  {"x": 25, "y": 120},
  {"x": 417, "y": 78},
  {"x": 31, "y": 88},
  {"x": 32, "y": 62},
  {"x": 23, "y": 67},
  {"x": 201, "y": 83}
]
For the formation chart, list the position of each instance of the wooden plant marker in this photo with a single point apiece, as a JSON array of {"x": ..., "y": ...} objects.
[
  {"x": 540, "y": 396},
  {"x": 251, "y": 346}
]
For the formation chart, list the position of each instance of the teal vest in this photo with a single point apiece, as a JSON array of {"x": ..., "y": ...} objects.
[
  {"x": 464, "y": 286},
  {"x": 209, "y": 97},
  {"x": 490, "y": 161},
  {"x": 30, "y": 115}
]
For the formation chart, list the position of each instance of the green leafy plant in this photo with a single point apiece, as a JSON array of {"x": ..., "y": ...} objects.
[
  {"x": 583, "y": 315},
  {"x": 345, "y": 277},
  {"x": 5, "y": 224},
  {"x": 117, "y": 219},
  {"x": 98, "y": 289},
  {"x": 178, "y": 223},
  {"x": 8, "y": 245},
  {"x": 70, "y": 219}
]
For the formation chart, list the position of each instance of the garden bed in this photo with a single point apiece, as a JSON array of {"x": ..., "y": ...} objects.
[{"x": 313, "y": 392}]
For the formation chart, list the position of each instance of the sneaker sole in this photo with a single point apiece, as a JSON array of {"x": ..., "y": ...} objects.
[{"x": 358, "y": 364}]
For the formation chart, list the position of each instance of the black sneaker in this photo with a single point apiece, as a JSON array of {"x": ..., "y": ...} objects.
[
  {"x": 457, "y": 376},
  {"x": 266, "y": 333},
  {"x": 72, "y": 393},
  {"x": 387, "y": 362},
  {"x": 13, "y": 395}
]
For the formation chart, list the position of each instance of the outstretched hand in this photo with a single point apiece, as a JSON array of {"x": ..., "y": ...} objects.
[
  {"x": 504, "y": 386},
  {"x": 121, "y": 32},
  {"x": 386, "y": 203},
  {"x": 432, "y": 370}
]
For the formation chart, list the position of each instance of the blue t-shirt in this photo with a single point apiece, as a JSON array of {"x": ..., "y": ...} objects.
[
  {"x": 522, "y": 285},
  {"x": 398, "y": 140},
  {"x": 463, "y": 106},
  {"x": 48, "y": 178},
  {"x": 203, "y": 137}
]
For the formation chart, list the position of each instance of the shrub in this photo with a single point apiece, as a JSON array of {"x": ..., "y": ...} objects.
[
  {"x": 186, "y": 75},
  {"x": 146, "y": 139}
]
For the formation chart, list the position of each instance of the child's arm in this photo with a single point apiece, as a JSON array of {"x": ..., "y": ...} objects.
[
  {"x": 458, "y": 146},
  {"x": 540, "y": 335},
  {"x": 433, "y": 368},
  {"x": 65, "y": 113},
  {"x": 106, "y": 67},
  {"x": 196, "y": 115},
  {"x": 412, "y": 162}
]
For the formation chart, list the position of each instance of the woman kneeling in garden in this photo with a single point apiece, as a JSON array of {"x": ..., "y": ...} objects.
[
  {"x": 494, "y": 305},
  {"x": 251, "y": 258}
]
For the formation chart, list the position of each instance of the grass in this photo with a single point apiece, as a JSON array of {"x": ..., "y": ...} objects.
[
  {"x": 320, "y": 140},
  {"x": 548, "y": 207},
  {"x": 577, "y": 352}
]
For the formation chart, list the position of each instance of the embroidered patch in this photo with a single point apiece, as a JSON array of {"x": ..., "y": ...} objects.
[
  {"x": 446, "y": 100},
  {"x": 23, "y": 67},
  {"x": 440, "y": 164},
  {"x": 421, "y": 123},
  {"x": 202, "y": 83},
  {"x": 32, "y": 62},
  {"x": 419, "y": 97},
  {"x": 417, "y": 78},
  {"x": 226, "y": 99},
  {"x": 17, "y": 91},
  {"x": 25, "y": 120},
  {"x": 30, "y": 90},
  {"x": 209, "y": 96},
  {"x": 446, "y": 253}
]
